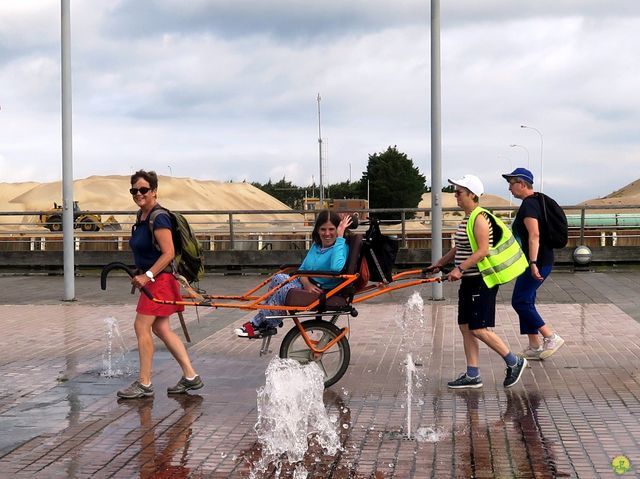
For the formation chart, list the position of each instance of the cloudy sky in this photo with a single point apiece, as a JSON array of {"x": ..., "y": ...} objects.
[{"x": 226, "y": 90}]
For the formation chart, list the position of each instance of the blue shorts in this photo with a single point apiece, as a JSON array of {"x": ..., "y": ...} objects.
[{"x": 476, "y": 303}]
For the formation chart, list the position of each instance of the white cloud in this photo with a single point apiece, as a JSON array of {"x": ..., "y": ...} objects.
[{"x": 226, "y": 90}]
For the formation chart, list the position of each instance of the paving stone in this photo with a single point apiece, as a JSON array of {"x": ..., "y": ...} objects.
[{"x": 569, "y": 416}]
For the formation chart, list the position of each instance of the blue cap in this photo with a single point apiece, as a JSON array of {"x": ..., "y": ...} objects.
[{"x": 521, "y": 173}]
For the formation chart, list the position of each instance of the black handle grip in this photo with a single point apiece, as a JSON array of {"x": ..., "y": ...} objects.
[
  {"x": 117, "y": 265},
  {"x": 445, "y": 270}
]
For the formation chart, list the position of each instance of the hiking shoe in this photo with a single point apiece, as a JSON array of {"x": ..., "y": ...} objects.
[
  {"x": 185, "y": 385},
  {"x": 532, "y": 354},
  {"x": 136, "y": 390},
  {"x": 551, "y": 345},
  {"x": 465, "y": 382},
  {"x": 514, "y": 373}
]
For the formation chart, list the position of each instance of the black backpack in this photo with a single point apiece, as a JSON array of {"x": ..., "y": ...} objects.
[
  {"x": 554, "y": 230},
  {"x": 380, "y": 252},
  {"x": 189, "y": 260}
]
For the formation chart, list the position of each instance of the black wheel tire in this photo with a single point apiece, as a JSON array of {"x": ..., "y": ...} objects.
[
  {"x": 334, "y": 362},
  {"x": 55, "y": 224},
  {"x": 88, "y": 225}
]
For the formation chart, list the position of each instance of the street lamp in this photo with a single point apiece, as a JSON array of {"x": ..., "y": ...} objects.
[
  {"x": 525, "y": 149},
  {"x": 541, "y": 148}
]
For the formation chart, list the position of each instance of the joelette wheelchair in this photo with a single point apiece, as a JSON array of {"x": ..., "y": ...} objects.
[{"x": 315, "y": 335}]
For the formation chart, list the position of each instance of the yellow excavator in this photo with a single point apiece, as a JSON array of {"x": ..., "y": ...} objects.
[{"x": 52, "y": 220}]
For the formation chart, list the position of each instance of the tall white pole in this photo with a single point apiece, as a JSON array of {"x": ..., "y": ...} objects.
[
  {"x": 67, "y": 156},
  {"x": 436, "y": 145},
  {"x": 320, "y": 156},
  {"x": 541, "y": 162}
]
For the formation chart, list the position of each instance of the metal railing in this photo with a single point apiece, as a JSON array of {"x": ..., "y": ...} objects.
[{"x": 260, "y": 230}]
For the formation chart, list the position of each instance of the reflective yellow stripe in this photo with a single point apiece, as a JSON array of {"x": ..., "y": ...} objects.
[{"x": 504, "y": 265}]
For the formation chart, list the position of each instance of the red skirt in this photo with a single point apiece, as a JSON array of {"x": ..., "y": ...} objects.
[{"x": 165, "y": 287}]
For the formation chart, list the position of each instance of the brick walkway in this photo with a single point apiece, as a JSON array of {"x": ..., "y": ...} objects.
[{"x": 569, "y": 417}]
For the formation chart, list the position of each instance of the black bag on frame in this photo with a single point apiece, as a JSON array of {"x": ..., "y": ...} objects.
[{"x": 380, "y": 251}]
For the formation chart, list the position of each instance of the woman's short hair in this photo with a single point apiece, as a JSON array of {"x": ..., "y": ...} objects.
[
  {"x": 149, "y": 176},
  {"x": 323, "y": 217}
]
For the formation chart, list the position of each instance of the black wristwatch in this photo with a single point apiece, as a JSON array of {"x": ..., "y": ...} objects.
[{"x": 533, "y": 262}]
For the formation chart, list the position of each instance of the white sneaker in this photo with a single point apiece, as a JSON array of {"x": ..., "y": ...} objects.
[
  {"x": 532, "y": 354},
  {"x": 551, "y": 345}
]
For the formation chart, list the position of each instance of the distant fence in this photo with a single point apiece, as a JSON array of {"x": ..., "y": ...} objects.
[{"x": 613, "y": 234}]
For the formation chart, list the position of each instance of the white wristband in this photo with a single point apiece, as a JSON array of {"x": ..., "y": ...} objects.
[{"x": 150, "y": 276}]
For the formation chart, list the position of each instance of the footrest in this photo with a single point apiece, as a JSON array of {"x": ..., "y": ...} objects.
[{"x": 268, "y": 332}]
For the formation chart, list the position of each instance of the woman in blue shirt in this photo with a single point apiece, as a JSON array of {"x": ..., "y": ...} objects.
[
  {"x": 153, "y": 260},
  {"x": 329, "y": 252}
]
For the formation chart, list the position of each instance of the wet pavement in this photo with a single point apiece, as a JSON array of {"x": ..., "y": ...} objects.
[{"x": 570, "y": 416}]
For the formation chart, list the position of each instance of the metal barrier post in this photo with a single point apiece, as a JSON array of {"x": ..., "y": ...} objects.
[
  {"x": 231, "y": 238},
  {"x": 404, "y": 230}
]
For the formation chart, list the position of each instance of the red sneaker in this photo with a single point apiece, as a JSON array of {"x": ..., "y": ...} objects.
[{"x": 248, "y": 331}]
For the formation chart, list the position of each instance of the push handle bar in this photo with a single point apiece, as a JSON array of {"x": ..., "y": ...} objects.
[{"x": 117, "y": 265}]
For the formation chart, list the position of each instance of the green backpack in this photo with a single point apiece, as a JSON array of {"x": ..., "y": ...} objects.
[{"x": 189, "y": 260}]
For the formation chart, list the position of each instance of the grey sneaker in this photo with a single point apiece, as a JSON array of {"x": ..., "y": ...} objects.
[
  {"x": 185, "y": 385},
  {"x": 514, "y": 373},
  {"x": 551, "y": 345},
  {"x": 136, "y": 390},
  {"x": 465, "y": 382},
  {"x": 532, "y": 354}
]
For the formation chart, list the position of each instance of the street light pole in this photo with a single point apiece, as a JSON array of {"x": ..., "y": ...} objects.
[
  {"x": 320, "y": 156},
  {"x": 67, "y": 155},
  {"x": 436, "y": 145},
  {"x": 525, "y": 149},
  {"x": 541, "y": 162}
]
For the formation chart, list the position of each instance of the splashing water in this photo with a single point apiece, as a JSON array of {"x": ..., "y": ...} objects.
[
  {"x": 411, "y": 370},
  {"x": 114, "y": 363},
  {"x": 290, "y": 415},
  {"x": 411, "y": 323},
  {"x": 430, "y": 434}
]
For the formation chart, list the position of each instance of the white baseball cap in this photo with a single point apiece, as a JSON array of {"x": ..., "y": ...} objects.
[{"x": 470, "y": 182}]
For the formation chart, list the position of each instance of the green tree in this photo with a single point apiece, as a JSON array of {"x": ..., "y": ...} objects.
[
  {"x": 345, "y": 189},
  {"x": 394, "y": 182},
  {"x": 283, "y": 190}
]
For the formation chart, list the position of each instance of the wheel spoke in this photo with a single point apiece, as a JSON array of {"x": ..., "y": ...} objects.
[
  {"x": 300, "y": 355},
  {"x": 324, "y": 370}
]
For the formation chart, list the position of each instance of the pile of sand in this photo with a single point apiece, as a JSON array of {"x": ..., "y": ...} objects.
[
  {"x": 111, "y": 193},
  {"x": 628, "y": 195}
]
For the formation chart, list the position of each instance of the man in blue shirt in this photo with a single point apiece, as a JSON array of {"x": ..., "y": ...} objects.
[{"x": 526, "y": 229}]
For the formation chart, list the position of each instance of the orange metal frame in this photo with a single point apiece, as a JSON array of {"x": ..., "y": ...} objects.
[{"x": 252, "y": 301}]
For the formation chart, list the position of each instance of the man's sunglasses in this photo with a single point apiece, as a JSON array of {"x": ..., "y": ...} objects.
[{"x": 143, "y": 191}]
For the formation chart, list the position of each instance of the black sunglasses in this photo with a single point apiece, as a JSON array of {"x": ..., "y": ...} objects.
[{"x": 143, "y": 191}]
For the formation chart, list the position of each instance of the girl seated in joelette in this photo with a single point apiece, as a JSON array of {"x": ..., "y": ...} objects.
[{"x": 329, "y": 252}]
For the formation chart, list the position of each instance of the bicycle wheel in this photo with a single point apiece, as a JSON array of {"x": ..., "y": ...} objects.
[{"x": 333, "y": 362}]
